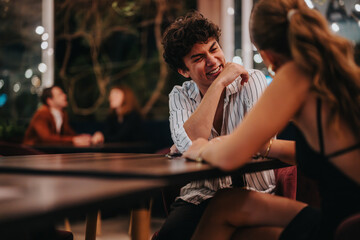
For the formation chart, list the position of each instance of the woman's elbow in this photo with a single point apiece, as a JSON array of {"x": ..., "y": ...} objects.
[{"x": 227, "y": 164}]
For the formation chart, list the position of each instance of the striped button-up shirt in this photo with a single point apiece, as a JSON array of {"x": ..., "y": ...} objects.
[{"x": 239, "y": 99}]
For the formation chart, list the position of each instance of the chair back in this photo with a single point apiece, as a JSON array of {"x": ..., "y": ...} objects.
[
  {"x": 15, "y": 149},
  {"x": 349, "y": 229}
]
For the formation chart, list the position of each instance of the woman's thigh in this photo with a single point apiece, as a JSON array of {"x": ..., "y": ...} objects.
[
  {"x": 256, "y": 233},
  {"x": 239, "y": 207}
]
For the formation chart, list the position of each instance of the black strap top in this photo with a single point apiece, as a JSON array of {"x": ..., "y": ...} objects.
[
  {"x": 340, "y": 195},
  {"x": 321, "y": 137}
]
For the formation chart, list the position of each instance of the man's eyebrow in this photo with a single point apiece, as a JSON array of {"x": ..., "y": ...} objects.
[
  {"x": 200, "y": 54},
  {"x": 212, "y": 45}
]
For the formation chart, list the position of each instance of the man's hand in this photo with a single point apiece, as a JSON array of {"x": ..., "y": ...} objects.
[
  {"x": 195, "y": 150},
  {"x": 231, "y": 72},
  {"x": 173, "y": 149}
]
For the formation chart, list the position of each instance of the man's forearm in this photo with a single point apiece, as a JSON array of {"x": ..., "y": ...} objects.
[{"x": 201, "y": 121}]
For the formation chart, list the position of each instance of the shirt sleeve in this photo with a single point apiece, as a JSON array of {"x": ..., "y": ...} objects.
[
  {"x": 256, "y": 86},
  {"x": 180, "y": 111}
]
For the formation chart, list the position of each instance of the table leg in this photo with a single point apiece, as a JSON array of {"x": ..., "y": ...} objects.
[
  {"x": 140, "y": 218},
  {"x": 140, "y": 224},
  {"x": 91, "y": 219}
]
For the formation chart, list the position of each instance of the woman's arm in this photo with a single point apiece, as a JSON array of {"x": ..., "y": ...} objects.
[
  {"x": 279, "y": 103},
  {"x": 283, "y": 150}
]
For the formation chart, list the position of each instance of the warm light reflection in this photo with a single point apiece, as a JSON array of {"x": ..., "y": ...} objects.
[
  {"x": 237, "y": 60},
  {"x": 230, "y": 11},
  {"x": 16, "y": 87},
  {"x": 357, "y": 7},
  {"x": 258, "y": 58},
  {"x": 28, "y": 73},
  {"x": 35, "y": 81},
  {"x": 44, "y": 45},
  {"x": 50, "y": 51},
  {"x": 1, "y": 83},
  {"x": 39, "y": 30},
  {"x": 335, "y": 27},
  {"x": 45, "y": 36},
  {"x": 42, "y": 67}
]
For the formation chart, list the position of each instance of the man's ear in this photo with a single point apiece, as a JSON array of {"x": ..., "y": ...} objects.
[
  {"x": 49, "y": 102},
  {"x": 184, "y": 73}
]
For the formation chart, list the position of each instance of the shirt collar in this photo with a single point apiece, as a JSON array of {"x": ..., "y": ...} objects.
[
  {"x": 194, "y": 91},
  {"x": 55, "y": 111}
]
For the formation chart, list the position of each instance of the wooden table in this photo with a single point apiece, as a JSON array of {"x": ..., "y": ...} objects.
[
  {"x": 28, "y": 202},
  {"x": 120, "y": 147},
  {"x": 115, "y": 166},
  {"x": 155, "y": 166}
]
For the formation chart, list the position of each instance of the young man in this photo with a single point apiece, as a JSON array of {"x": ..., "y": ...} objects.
[
  {"x": 50, "y": 123},
  {"x": 212, "y": 103}
]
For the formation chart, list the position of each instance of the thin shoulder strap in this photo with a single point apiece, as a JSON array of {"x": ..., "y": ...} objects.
[
  {"x": 319, "y": 126},
  {"x": 349, "y": 149}
]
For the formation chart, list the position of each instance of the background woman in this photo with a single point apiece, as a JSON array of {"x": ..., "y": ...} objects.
[
  {"x": 125, "y": 121},
  {"x": 317, "y": 86}
]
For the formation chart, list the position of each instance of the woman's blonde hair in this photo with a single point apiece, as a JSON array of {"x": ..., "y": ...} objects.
[{"x": 305, "y": 37}]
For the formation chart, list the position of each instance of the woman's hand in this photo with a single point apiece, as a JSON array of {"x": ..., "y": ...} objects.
[
  {"x": 97, "y": 138},
  {"x": 195, "y": 150}
]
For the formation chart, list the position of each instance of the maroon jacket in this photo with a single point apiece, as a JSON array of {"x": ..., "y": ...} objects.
[{"x": 42, "y": 129}]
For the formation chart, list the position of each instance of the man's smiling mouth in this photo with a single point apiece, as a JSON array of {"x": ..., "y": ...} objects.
[{"x": 214, "y": 71}]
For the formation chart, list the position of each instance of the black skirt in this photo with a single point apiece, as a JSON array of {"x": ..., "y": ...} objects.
[{"x": 305, "y": 226}]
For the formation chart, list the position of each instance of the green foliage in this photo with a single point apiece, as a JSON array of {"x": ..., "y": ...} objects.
[
  {"x": 11, "y": 131},
  {"x": 111, "y": 42}
]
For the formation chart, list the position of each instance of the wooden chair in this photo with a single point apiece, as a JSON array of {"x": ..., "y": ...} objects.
[
  {"x": 16, "y": 149},
  {"x": 349, "y": 229}
]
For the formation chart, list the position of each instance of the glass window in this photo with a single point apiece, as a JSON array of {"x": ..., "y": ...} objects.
[
  {"x": 20, "y": 55},
  {"x": 343, "y": 18}
]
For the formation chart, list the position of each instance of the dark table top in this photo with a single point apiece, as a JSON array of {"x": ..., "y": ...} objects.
[
  {"x": 130, "y": 165},
  {"x": 120, "y": 147},
  {"x": 36, "y": 188},
  {"x": 30, "y": 201}
]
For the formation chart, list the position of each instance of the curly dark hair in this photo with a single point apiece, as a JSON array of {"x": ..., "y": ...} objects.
[{"x": 182, "y": 34}]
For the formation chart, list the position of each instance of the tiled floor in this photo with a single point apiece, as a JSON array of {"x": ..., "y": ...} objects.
[{"x": 114, "y": 228}]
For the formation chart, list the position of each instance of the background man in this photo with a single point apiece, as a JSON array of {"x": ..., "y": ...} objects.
[
  {"x": 50, "y": 123},
  {"x": 211, "y": 104}
]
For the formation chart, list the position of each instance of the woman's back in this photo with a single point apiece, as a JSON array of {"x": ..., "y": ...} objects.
[
  {"x": 334, "y": 140},
  {"x": 332, "y": 159}
]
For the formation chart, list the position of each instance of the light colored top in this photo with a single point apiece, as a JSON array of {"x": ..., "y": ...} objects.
[
  {"x": 58, "y": 118},
  {"x": 183, "y": 100}
]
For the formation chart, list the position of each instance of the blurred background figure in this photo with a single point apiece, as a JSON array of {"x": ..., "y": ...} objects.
[
  {"x": 50, "y": 123},
  {"x": 125, "y": 120}
]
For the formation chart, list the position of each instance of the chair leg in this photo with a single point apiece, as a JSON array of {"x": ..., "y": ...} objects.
[
  {"x": 91, "y": 219},
  {"x": 98, "y": 224},
  {"x": 67, "y": 225}
]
